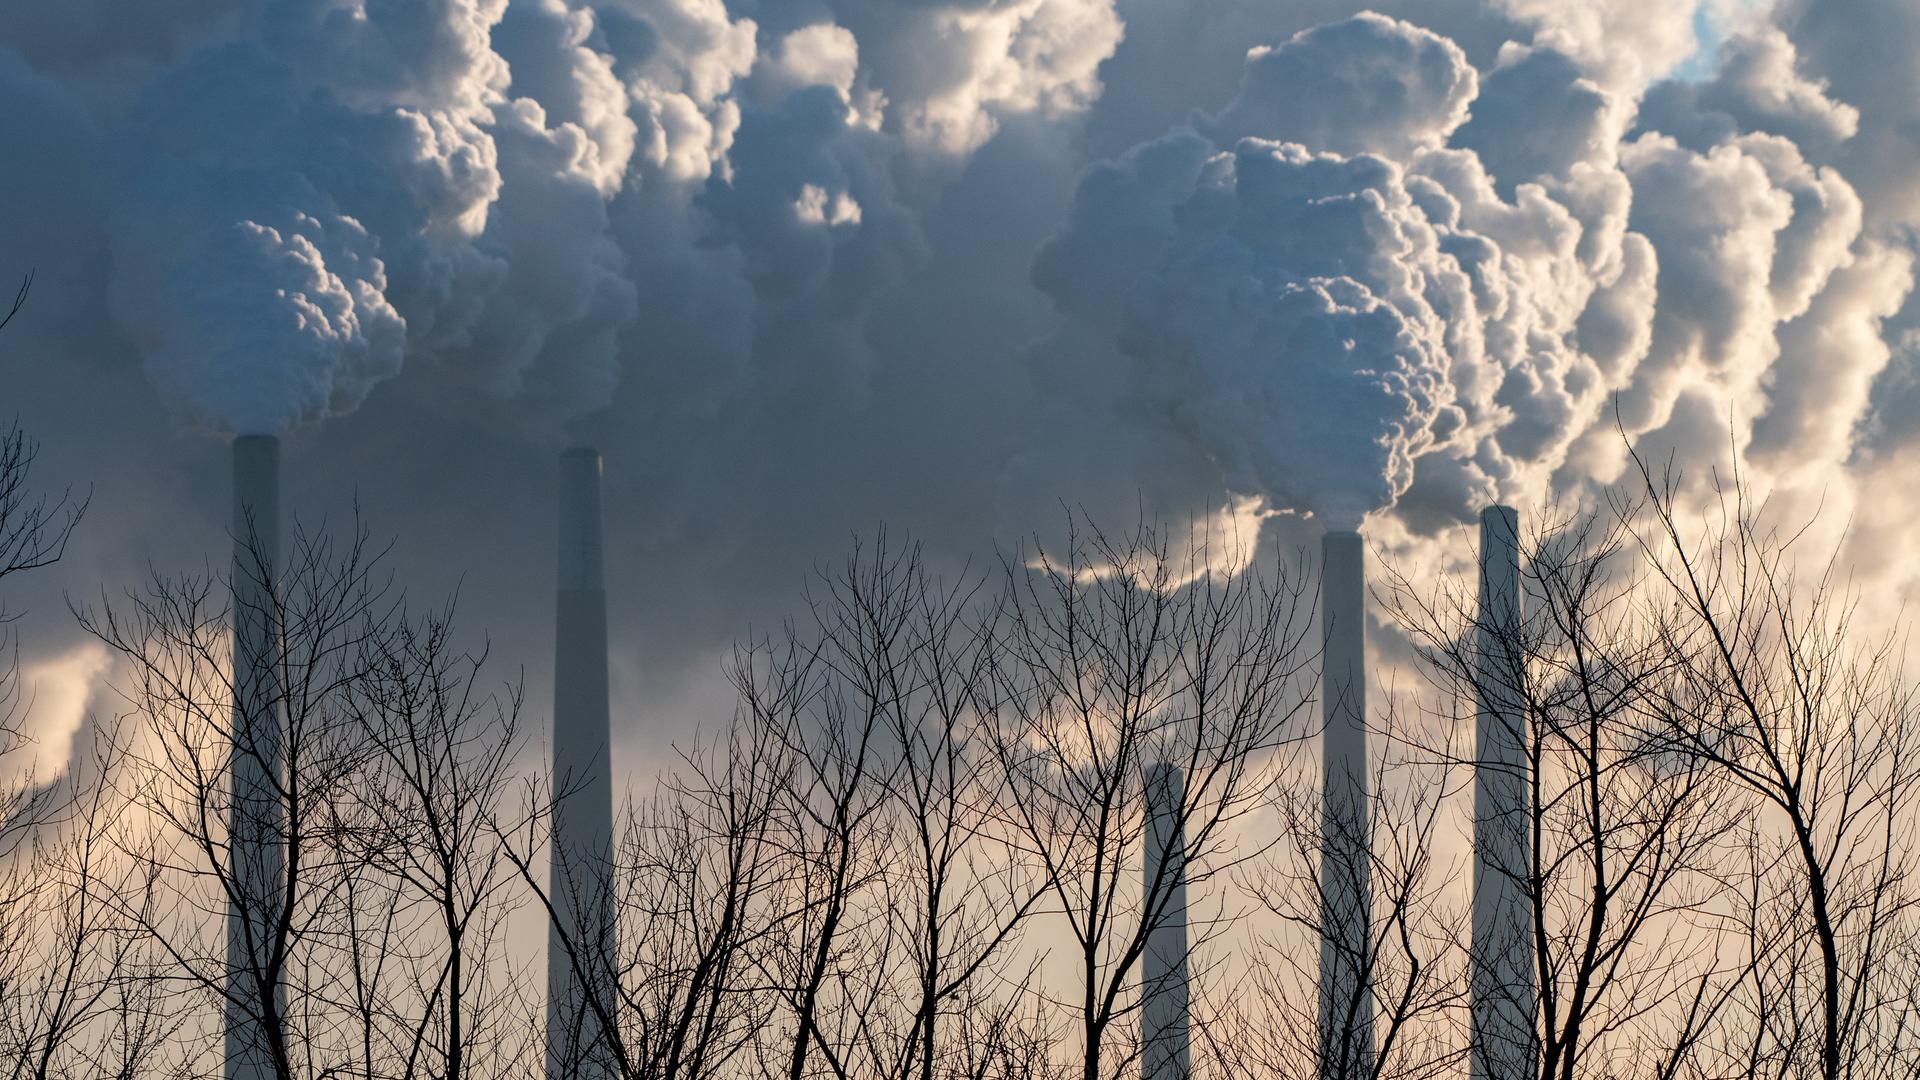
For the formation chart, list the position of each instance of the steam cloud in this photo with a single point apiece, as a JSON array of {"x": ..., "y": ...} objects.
[
  {"x": 804, "y": 266},
  {"x": 296, "y": 211},
  {"x": 1380, "y": 276}
]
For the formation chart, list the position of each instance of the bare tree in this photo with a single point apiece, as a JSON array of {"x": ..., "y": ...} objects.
[
  {"x": 1781, "y": 691},
  {"x": 953, "y": 900},
  {"x": 326, "y": 605},
  {"x": 34, "y": 531},
  {"x": 699, "y": 874},
  {"x": 1414, "y": 972},
  {"x": 951, "y": 822},
  {"x": 935, "y": 921},
  {"x": 63, "y": 965},
  {"x": 1623, "y": 841},
  {"x": 78, "y": 999},
  {"x": 1112, "y": 657},
  {"x": 442, "y": 767},
  {"x": 901, "y": 904},
  {"x": 829, "y": 823},
  {"x": 820, "y": 891}
]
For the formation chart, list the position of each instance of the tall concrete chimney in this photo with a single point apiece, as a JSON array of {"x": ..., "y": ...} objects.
[
  {"x": 1346, "y": 912},
  {"x": 1166, "y": 1039},
  {"x": 255, "y": 823},
  {"x": 1501, "y": 981},
  {"x": 582, "y": 848}
]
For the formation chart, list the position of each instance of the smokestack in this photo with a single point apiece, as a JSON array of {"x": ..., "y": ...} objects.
[
  {"x": 256, "y": 854},
  {"x": 1501, "y": 981},
  {"x": 582, "y": 846},
  {"x": 1168, "y": 1053},
  {"x": 1346, "y": 916}
]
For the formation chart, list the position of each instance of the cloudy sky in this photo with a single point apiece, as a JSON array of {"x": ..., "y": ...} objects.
[{"x": 801, "y": 267}]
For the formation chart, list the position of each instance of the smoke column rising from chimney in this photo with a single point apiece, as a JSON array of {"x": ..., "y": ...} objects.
[
  {"x": 255, "y": 822},
  {"x": 1346, "y": 916},
  {"x": 1502, "y": 976},
  {"x": 582, "y": 846}
]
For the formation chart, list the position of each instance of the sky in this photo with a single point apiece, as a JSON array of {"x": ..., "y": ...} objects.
[{"x": 801, "y": 268}]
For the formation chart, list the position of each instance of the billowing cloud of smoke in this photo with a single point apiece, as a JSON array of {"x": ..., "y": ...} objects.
[
  {"x": 1335, "y": 295},
  {"x": 297, "y": 210},
  {"x": 778, "y": 257},
  {"x": 1311, "y": 377},
  {"x": 949, "y": 74},
  {"x": 1379, "y": 277},
  {"x": 257, "y": 300},
  {"x": 1365, "y": 85}
]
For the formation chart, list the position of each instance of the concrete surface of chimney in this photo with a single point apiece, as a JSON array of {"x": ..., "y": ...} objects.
[
  {"x": 1501, "y": 979},
  {"x": 255, "y": 856},
  {"x": 1167, "y": 1052},
  {"x": 1346, "y": 920},
  {"x": 582, "y": 847}
]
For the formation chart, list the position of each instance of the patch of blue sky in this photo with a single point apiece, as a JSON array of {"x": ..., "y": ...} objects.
[
  {"x": 1714, "y": 21},
  {"x": 1709, "y": 33}
]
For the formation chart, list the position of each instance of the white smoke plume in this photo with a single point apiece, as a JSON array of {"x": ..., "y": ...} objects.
[
  {"x": 1380, "y": 278},
  {"x": 294, "y": 212},
  {"x": 1338, "y": 295},
  {"x": 778, "y": 258},
  {"x": 301, "y": 208}
]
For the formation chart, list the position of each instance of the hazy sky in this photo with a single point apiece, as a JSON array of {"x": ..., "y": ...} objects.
[{"x": 801, "y": 267}]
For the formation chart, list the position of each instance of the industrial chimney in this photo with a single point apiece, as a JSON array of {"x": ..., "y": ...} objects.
[
  {"x": 582, "y": 847},
  {"x": 1167, "y": 1043},
  {"x": 1501, "y": 982},
  {"x": 255, "y": 823},
  {"x": 1346, "y": 915}
]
